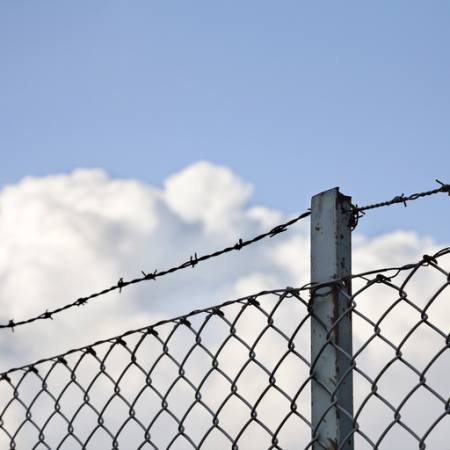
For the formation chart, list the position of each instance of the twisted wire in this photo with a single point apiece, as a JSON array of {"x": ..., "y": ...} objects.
[
  {"x": 445, "y": 188},
  {"x": 357, "y": 213},
  {"x": 192, "y": 262}
]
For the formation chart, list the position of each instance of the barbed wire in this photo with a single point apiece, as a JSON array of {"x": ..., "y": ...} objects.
[
  {"x": 250, "y": 299},
  {"x": 192, "y": 262},
  {"x": 357, "y": 213},
  {"x": 445, "y": 188}
]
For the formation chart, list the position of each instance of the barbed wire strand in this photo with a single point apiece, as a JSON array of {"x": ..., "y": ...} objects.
[
  {"x": 192, "y": 262},
  {"x": 358, "y": 212},
  {"x": 216, "y": 309},
  {"x": 445, "y": 188}
]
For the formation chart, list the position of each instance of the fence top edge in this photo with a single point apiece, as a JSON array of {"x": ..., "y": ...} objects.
[{"x": 249, "y": 299}]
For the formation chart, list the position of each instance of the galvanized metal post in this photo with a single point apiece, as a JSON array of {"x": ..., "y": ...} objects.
[{"x": 331, "y": 326}]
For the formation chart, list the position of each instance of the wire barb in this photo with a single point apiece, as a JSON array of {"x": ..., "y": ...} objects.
[
  {"x": 239, "y": 244},
  {"x": 194, "y": 260},
  {"x": 120, "y": 284}
]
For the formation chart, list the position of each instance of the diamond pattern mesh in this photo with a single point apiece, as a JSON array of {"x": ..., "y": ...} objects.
[{"x": 238, "y": 376}]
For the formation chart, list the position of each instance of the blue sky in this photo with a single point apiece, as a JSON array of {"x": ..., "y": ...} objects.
[{"x": 295, "y": 97}]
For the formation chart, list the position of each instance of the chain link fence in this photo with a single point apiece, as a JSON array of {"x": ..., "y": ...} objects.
[{"x": 239, "y": 375}]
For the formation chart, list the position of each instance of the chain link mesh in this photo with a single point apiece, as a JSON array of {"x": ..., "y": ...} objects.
[{"x": 238, "y": 375}]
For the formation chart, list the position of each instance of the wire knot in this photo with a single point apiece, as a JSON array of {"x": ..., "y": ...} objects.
[
  {"x": 194, "y": 260},
  {"x": 252, "y": 301},
  {"x": 184, "y": 321},
  {"x": 400, "y": 199},
  {"x": 120, "y": 341},
  {"x": 444, "y": 187},
  {"x": 380, "y": 278},
  {"x": 81, "y": 301},
  {"x": 429, "y": 259},
  {"x": 152, "y": 331},
  {"x": 218, "y": 312},
  {"x": 239, "y": 244},
  {"x": 91, "y": 351},
  {"x": 149, "y": 276},
  {"x": 291, "y": 290},
  {"x": 120, "y": 284},
  {"x": 47, "y": 315},
  {"x": 355, "y": 215}
]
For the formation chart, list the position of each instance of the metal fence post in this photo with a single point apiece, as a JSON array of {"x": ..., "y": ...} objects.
[{"x": 331, "y": 340}]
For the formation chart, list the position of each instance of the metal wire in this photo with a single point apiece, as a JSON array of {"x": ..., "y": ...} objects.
[
  {"x": 238, "y": 375},
  {"x": 170, "y": 368},
  {"x": 192, "y": 262},
  {"x": 358, "y": 212},
  {"x": 394, "y": 367},
  {"x": 445, "y": 188}
]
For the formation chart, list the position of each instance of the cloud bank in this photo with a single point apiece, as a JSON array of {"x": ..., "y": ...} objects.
[{"x": 65, "y": 236}]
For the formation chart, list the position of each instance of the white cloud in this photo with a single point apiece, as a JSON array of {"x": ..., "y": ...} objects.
[
  {"x": 207, "y": 194},
  {"x": 65, "y": 236}
]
